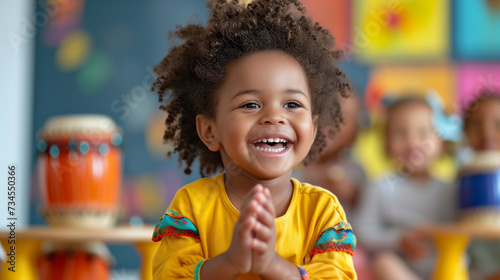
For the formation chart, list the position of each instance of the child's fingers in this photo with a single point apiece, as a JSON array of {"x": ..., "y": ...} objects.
[
  {"x": 249, "y": 209},
  {"x": 244, "y": 231},
  {"x": 251, "y": 194},
  {"x": 267, "y": 192},
  {"x": 259, "y": 246},
  {"x": 264, "y": 216},
  {"x": 266, "y": 203},
  {"x": 248, "y": 197},
  {"x": 262, "y": 232}
]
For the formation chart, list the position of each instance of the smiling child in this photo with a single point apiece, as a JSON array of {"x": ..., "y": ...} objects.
[{"x": 248, "y": 95}]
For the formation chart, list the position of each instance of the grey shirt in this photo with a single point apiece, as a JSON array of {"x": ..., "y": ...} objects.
[{"x": 393, "y": 204}]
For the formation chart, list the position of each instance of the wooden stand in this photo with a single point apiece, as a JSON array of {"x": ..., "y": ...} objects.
[{"x": 29, "y": 240}]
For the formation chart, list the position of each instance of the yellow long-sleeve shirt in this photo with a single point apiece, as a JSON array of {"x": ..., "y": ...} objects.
[{"x": 313, "y": 233}]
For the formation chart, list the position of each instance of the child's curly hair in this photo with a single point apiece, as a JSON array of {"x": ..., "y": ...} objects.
[
  {"x": 191, "y": 72},
  {"x": 469, "y": 108}
]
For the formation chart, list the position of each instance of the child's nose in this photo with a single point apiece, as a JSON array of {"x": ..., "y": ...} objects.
[
  {"x": 415, "y": 144},
  {"x": 273, "y": 115}
]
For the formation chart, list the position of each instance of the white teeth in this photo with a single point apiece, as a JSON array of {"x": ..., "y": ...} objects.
[
  {"x": 271, "y": 140},
  {"x": 277, "y": 150}
]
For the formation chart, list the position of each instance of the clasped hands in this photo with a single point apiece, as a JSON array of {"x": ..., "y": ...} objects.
[{"x": 252, "y": 247}]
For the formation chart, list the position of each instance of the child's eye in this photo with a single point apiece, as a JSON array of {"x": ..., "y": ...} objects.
[
  {"x": 251, "y": 106},
  {"x": 293, "y": 105}
]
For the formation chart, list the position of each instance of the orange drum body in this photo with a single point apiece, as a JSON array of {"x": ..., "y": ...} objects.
[
  {"x": 75, "y": 262},
  {"x": 72, "y": 266},
  {"x": 79, "y": 169}
]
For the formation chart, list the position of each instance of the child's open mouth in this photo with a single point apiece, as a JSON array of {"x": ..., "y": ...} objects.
[{"x": 274, "y": 145}]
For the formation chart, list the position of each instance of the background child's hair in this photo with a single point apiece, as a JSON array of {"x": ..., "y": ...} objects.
[
  {"x": 407, "y": 99},
  {"x": 190, "y": 74},
  {"x": 484, "y": 95}
]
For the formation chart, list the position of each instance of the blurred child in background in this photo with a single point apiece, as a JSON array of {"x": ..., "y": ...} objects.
[
  {"x": 482, "y": 130},
  {"x": 337, "y": 171},
  {"x": 393, "y": 206}
]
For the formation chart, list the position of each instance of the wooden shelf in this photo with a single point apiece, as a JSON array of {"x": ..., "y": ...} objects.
[
  {"x": 122, "y": 234},
  {"x": 475, "y": 232}
]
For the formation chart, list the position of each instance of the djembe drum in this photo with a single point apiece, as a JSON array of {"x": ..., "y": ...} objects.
[
  {"x": 79, "y": 169},
  {"x": 479, "y": 190}
]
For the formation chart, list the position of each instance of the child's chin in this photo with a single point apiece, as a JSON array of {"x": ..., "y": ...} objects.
[
  {"x": 269, "y": 173},
  {"x": 415, "y": 167}
]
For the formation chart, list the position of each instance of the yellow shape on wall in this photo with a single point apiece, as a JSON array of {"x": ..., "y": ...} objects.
[
  {"x": 155, "y": 129},
  {"x": 73, "y": 51},
  {"x": 402, "y": 30}
]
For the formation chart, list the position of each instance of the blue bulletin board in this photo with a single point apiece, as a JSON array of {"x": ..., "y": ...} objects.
[
  {"x": 96, "y": 57},
  {"x": 476, "y": 29}
]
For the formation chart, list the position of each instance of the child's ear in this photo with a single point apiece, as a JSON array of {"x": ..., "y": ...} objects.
[
  {"x": 315, "y": 126},
  {"x": 206, "y": 131}
]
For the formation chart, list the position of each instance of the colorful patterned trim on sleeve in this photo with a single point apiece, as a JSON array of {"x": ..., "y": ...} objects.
[
  {"x": 198, "y": 269},
  {"x": 303, "y": 273},
  {"x": 173, "y": 223},
  {"x": 337, "y": 238}
]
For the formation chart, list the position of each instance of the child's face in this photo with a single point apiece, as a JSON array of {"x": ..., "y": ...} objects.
[
  {"x": 411, "y": 138},
  {"x": 264, "y": 122},
  {"x": 483, "y": 126}
]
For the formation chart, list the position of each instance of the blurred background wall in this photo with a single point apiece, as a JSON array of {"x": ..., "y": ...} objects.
[{"x": 87, "y": 56}]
